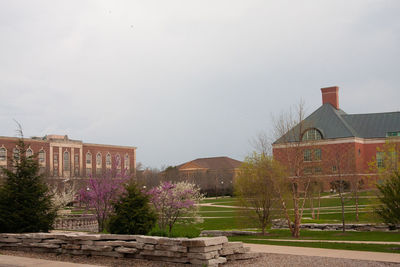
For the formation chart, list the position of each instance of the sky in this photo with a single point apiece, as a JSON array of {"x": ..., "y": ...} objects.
[{"x": 185, "y": 79}]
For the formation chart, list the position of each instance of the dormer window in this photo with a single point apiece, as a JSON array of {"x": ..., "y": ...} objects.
[
  {"x": 393, "y": 134},
  {"x": 311, "y": 134}
]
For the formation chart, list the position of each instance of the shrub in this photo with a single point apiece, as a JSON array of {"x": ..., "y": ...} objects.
[
  {"x": 389, "y": 196},
  {"x": 132, "y": 213},
  {"x": 25, "y": 201}
]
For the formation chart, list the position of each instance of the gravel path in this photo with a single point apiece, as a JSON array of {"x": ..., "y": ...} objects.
[{"x": 266, "y": 260}]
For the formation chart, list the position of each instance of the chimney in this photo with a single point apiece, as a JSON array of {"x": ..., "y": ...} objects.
[{"x": 331, "y": 95}]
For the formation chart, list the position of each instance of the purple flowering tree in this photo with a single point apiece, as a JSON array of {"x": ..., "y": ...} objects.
[
  {"x": 101, "y": 191},
  {"x": 175, "y": 201}
]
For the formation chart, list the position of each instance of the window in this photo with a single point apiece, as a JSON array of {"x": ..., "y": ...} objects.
[
  {"x": 126, "y": 162},
  {"x": 16, "y": 153},
  {"x": 98, "y": 159},
  {"x": 317, "y": 154},
  {"x": 318, "y": 170},
  {"x": 66, "y": 161},
  {"x": 307, "y": 155},
  {"x": 29, "y": 153},
  {"x": 88, "y": 171},
  {"x": 98, "y": 163},
  {"x": 334, "y": 169},
  {"x": 308, "y": 170},
  {"x": 380, "y": 159},
  {"x": 118, "y": 161},
  {"x": 312, "y": 134},
  {"x": 55, "y": 164},
  {"x": 42, "y": 157},
  {"x": 76, "y": 164},
  {"x": 88, "y": 158},
  {"x": 3, "y": 154},
  {"x": 108, "y": 161},
  {"x": 393, "y": 134}
]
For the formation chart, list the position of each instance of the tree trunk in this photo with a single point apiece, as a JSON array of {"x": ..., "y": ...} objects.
[
  {"x": 342, "y": 203},
  {"x": 356, "y": 196},
  {"x": 312, "y": 207},
  {"x": 319, "y": 204}
]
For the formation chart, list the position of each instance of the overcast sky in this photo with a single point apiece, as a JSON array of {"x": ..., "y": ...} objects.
[{"x": 187, "y": 79}]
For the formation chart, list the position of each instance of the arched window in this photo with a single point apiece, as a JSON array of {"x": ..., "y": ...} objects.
[
  {"x": 42, "y": 157},
  {"x": 29, "y": 152},
  {"x": 98, "y": 163},
  {"x": 108, "y": 161},
  {"x": 3, "y": 154},
  {"x": 98, "y": 159},
  {"x": 311, "y": 134},
  {"x": 126, "y": 162},
  {"x": 88, "y": 158},
  {"x": 118, "y": 161},
  {"x": 66, "y": 162}
]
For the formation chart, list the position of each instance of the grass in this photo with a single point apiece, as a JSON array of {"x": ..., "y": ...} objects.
[{"x": 359, "y": 247}]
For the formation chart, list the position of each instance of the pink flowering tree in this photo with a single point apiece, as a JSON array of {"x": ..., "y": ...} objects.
[
  {"x": 175, "y": 201},
  {"x": 101, "y": 191}
]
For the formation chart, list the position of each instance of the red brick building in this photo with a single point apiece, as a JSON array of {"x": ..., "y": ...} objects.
[
  {"x": 330, "y": 142},
  {"x": 60, "y": 156}
]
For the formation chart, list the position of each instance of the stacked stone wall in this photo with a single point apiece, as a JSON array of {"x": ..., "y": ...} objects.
[
  {"x": 85, "y": 223},
  {"x": 202, "y": 251}
]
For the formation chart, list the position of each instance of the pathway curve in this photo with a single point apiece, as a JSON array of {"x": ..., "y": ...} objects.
[{"x": 323, "y": 252}]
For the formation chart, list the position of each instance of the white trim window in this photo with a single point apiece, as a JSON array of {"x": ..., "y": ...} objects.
[{"x": 29, "y": 152}]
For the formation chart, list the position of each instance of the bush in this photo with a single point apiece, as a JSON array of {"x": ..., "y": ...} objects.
[
  {"x": 133, "y": 214},
  {"x": 25, "y": 201},
  {"x": 389, "y": 196}
]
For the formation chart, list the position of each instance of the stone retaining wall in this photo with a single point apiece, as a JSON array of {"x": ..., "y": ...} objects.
[
  {"x": 332, "y": 227},
  {"x": 202, "y": 251},
  {"x": 77, "y": 222}
]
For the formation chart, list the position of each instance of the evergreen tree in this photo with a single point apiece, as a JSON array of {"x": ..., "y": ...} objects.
[
  {"x": 389, "y": 196},
  {"x": 25, "y": 202},
  {"x": 133, "y": 214}
]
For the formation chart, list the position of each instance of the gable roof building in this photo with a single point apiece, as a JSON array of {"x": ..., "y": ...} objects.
[{"x": 331, "y": 130}]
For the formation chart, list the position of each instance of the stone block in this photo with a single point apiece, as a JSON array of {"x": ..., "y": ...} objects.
[
  {"x": 170, "y": 241},
  {"x": 162, "y": 253},
  {"x": 204, "y": 255},
  {"x": 97, "y": 248},
  {"x": 232, "y": 245},
  {"x": 115, "y": 243},
  {"x": 41, "y": 236},
  {"x": 71, "y": 246},
  {"x": 10, "y": 240},
  {"x": 125, "y": 250},
  {"x": 148, "y": 239},
  {"x": 44, "y": 245},
  {"x": 83, "y": 242},
  {"x": 88, "y": 237},
  {"x": 3, "y": 245},
  {"x": 145, "y": 246},
  {"x": 118, "y": 237},
  {"x": 107, "y": 253},
  {"x": 243, "y": 256},
  {"x": 55, "y": 241},
  {"x": 205, "y": 249},
  {"x": 176, "y": 248},
  {"x": 205, "y": 241},
  {"x": 30, "y": 240}
]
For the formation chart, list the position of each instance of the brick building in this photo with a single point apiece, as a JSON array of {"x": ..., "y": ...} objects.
[
  {"x": 331, "y": 143},
  {"x": 61, "y": 157},
  {"x": 213, "y": 175}
]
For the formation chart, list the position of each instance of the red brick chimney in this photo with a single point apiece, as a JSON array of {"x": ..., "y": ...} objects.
[{"x": 331, "y": 95}]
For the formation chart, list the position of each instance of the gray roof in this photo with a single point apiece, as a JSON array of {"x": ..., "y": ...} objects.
[{"x": 333, "y": 123}]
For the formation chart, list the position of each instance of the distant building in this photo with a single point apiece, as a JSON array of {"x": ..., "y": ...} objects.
[
  {"x": 60, "y": 156},
  {"x": 329, "y": 133},
  {"x": 213, "y": 175}
]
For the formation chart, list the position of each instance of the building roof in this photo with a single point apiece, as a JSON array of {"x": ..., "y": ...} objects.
[
  {"x": 335, "y": 123},
  {"x": 215, "y": 163}
]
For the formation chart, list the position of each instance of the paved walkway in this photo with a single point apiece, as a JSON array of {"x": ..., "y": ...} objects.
[
  {"x": 13, "y": 261},
  {"x": 322, "y": 252},
  {"x": 335, "y": 241}
]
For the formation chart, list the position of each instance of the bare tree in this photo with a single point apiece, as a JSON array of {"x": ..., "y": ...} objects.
[{"x": 289, "y": 149}]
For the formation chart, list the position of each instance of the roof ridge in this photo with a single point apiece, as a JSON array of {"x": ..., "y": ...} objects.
[
  {"x": 389, "y": 112},
  {"x": 346, "y": 124}
]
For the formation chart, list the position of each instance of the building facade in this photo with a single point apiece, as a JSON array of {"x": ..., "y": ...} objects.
[
  {"x": 61, "y": 157},
  {"x": 331, "y": 144}
]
